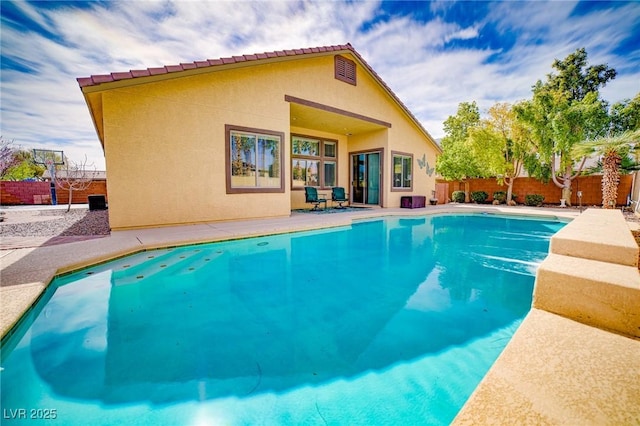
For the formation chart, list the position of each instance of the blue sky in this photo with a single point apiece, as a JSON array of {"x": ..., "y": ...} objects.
[{"x": 433, "y": 55}]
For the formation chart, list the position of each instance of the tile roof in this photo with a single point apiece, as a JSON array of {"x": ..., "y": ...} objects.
[{"x": 95, "y": 80}]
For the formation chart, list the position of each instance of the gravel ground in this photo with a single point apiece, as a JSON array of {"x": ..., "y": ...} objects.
[{"x": 51, "y": 223}]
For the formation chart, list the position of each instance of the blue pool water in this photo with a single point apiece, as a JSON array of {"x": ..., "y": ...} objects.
[{"x": 390, "y": 321}]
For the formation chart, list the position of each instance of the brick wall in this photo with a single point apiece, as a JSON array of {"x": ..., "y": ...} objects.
[
  {"x": 18, "y": 193},
  {"x": 80, "y": 197},
  {"x": 591, "y": 187}
]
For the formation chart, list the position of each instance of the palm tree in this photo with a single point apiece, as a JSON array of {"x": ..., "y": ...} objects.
[{"x": 612, "y": 149}]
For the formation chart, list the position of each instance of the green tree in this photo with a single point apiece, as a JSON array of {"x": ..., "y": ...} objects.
[
  {"x": 502, "y": 145},
  {"x": 575, "y": 79},
  {"x": 457, "y": 161},
  {"x": 625, "y": 115},
  {"x": 23, "y": 167},
  {"x": 565, "y": 110}
]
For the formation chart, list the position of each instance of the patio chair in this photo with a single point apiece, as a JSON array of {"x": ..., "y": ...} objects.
[
  {"x": 311, "y": 196},
  {"x": 338, "y": 195}
]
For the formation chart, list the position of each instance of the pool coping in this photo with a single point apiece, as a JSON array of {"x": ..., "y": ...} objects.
[
  {"x": 575, "y": 358},
  {"x": 26, "y": 273}
]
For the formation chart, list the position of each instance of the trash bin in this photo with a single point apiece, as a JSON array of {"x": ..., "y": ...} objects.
[{"x": 97, "y": 202}]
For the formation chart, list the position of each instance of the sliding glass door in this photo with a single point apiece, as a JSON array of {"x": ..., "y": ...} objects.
[{"x": 365, "y": 178}]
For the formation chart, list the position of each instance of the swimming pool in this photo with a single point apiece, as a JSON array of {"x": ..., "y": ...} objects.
[{"x": 388, "y": 321}]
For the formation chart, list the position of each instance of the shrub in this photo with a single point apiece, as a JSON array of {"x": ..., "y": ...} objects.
[
  {"x": 533, "y": 199},
  {"x": 479, "y": 196},
  {"x": 500, "y": 196},
  {"x": 458, "y": 196}
]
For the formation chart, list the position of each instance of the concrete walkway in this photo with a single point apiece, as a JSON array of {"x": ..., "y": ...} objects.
[{"x": 574, "y": 374}]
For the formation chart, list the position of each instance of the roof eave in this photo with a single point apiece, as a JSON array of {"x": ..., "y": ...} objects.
[
  {"x": 99, "y": 83},
  {"x": 134, "y": 77}
]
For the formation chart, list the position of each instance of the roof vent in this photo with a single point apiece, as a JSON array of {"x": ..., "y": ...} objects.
[{"x": 345, "y": 70}]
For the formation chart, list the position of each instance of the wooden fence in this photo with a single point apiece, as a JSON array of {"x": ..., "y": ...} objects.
[{"x": 591, "y": 187}]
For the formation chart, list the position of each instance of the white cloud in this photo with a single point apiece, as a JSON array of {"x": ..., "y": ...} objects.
[
  {"x": 464, "y": 34},
  {"x": 30, "y": 12}
]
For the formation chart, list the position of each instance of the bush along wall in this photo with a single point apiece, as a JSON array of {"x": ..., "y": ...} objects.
[
  {"x": 533, "y": 200},
  {"x": 457, "y": 196},
  {"x": 500, "y": 197},
  {"x": 590, "y": 186},
  {"x": 479, "y": 196}
]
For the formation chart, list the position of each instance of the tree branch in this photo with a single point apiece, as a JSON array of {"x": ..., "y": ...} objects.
[
  {"x": 553, "y": 171},
  {"x": 75, "y": 178},
  {"x": 575, "y": 175}
]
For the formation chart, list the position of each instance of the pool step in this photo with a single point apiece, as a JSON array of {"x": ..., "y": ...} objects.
[
  {"x": 597, "y": 234},
  {"x": 145, "y": 263},
  {"x": 591, "y": 274},
  {"x": 600, "y": 294},
  {"x": 180, "y": 261}
]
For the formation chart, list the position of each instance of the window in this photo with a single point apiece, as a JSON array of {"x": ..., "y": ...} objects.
[
  {"x": 305, "y": 172},
  {"x": 254, "y": 159},
  {"x": 330, "y": 173},
  {"x": 330, "y": 164},
  {"x": 402, "y": 169},
  {"x": 305, "y": 146},
  {"x": 313, "y": 162},
  {"x": 345, "y": 69},
  {"x": 330, "y": 149}
]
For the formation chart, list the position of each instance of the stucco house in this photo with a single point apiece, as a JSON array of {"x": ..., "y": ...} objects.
[{"x": 240, "y": 137}]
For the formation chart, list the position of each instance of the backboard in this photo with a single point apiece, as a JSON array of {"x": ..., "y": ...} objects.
[{"x": 48, "y": 157}]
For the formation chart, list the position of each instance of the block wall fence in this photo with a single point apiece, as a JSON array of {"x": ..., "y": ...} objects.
[
  {"x": 30, "y": 193},
  {"x": 591, "y": 187},
  {"x": 25, "y": 193}
]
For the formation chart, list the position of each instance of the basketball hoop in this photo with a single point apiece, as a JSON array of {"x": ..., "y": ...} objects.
[{"x": 49, "y": 158}]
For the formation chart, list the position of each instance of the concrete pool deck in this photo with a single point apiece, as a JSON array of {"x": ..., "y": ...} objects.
[{"x": 555, "y": 370}]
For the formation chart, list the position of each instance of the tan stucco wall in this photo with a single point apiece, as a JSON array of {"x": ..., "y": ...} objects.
[
  {"x": 404, "y": 139},
  {"x": 165, "y": 140},
  {"x": 165, "y": 149}
]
